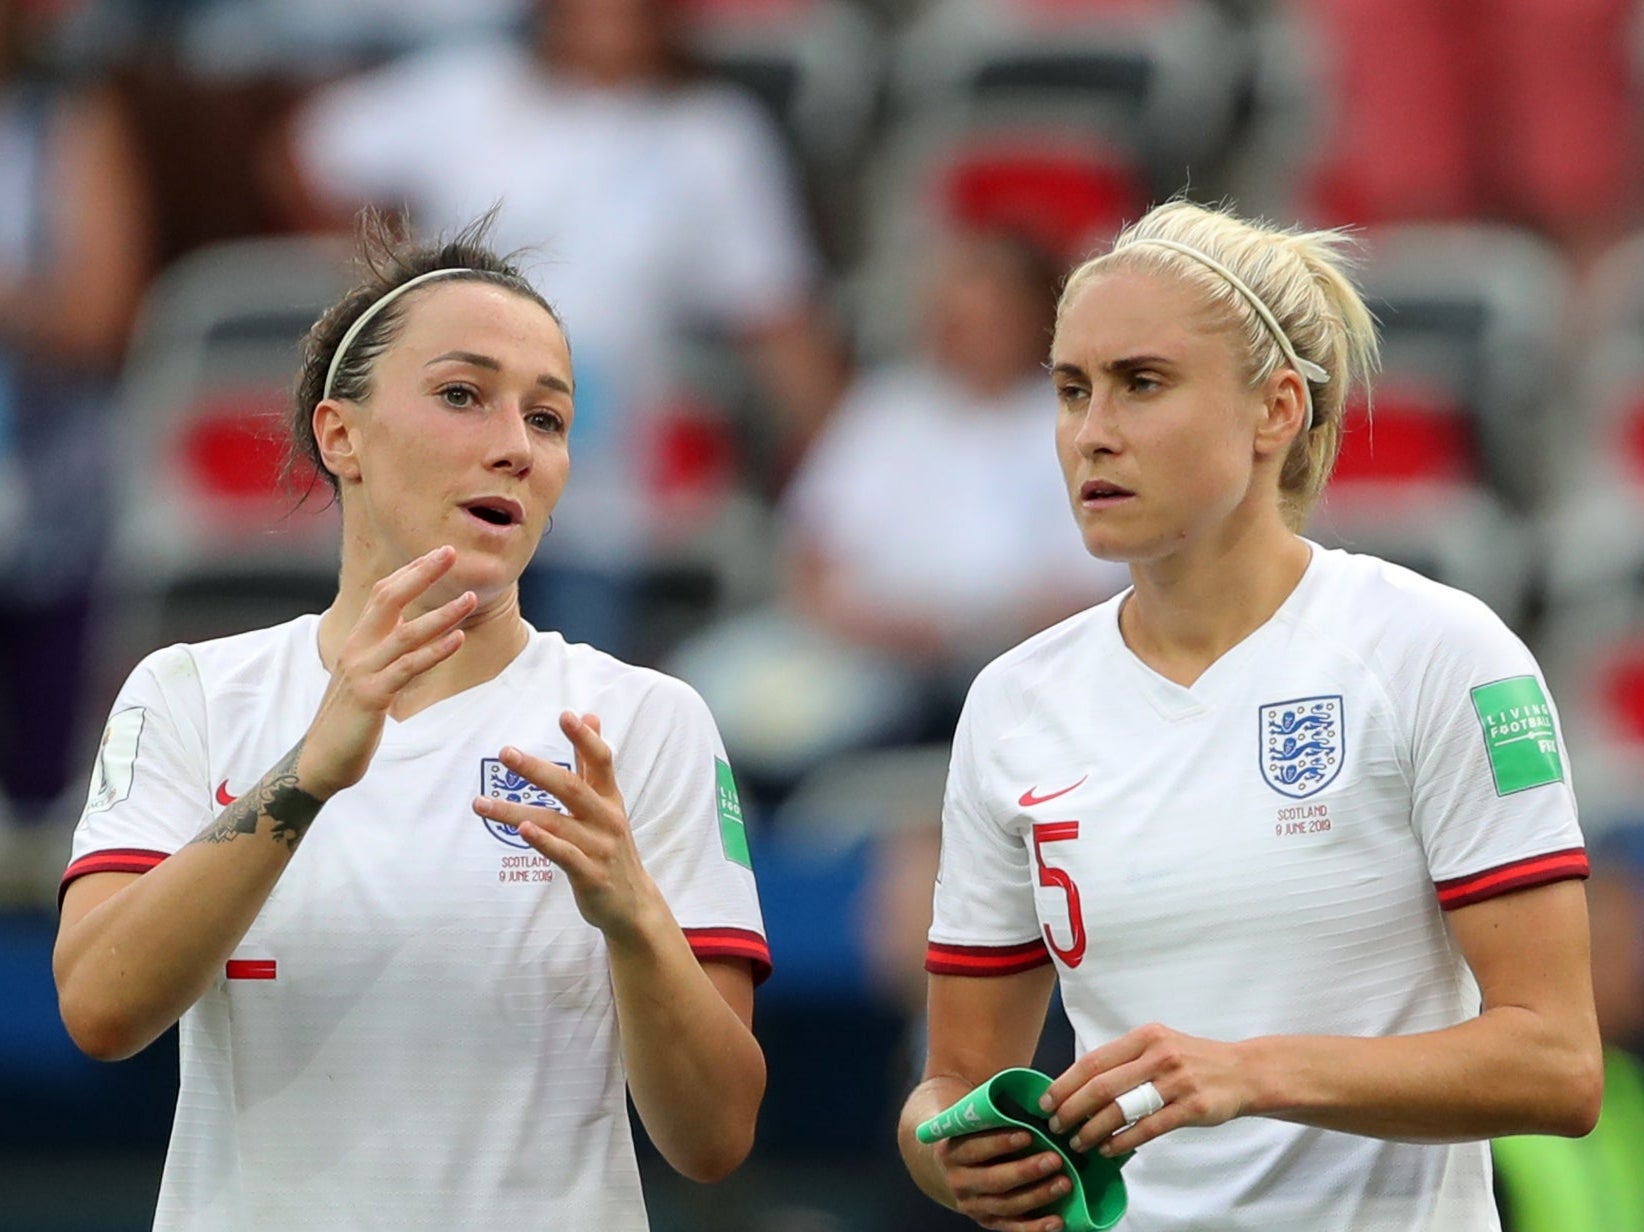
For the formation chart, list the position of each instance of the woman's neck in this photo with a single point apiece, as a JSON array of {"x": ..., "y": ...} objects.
[
  {"x": 1190, "y": 609},
  {"x": 493, "y": 636}
]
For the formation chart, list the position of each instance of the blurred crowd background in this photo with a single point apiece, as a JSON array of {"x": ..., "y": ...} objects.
[{"x": 806, "y": 251}]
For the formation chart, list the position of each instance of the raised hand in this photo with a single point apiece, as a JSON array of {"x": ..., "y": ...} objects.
[
  {"x": 999, "y": 1187},
  {"x": 594, "y": 843},
  {"x": 382, "y": 654}
]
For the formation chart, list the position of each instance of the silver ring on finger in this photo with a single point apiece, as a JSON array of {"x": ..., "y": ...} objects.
[{"x": 1139, "y": 1102}]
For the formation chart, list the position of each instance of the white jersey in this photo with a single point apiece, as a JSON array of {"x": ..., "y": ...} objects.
[
  {"x": 418, "y": 1031},
  {"x": 1267, "y": 852}
]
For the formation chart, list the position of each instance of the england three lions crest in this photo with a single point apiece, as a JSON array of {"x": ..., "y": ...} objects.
[
  {"x": 1303, "y": 742},
  {"x": 500, "y": 783}
]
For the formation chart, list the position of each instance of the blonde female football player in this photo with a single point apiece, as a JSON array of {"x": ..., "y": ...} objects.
[
  {"x": 1292, "y": 828},
  {"x": 426, "y": 888}
]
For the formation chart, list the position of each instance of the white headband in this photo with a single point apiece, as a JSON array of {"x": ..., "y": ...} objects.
[
  {"x": 1307, "y": 368},
  {"x": 364, "y": 319}
]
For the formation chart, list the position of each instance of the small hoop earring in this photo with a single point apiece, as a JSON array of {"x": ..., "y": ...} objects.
[{"x": 549, "y": 529}]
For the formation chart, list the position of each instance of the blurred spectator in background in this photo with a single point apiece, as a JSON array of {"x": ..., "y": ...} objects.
[
  {"x": 75, "y": 254},
  {"x": 1596, "y": 1183},
  {"x": 924, "y": 532},
  {"x": 660, "y": 201}
]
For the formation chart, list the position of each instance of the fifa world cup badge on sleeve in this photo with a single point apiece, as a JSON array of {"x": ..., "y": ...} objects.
[
  {"x": 1519, "y": 734},
  {"x": 116, "y": 760},
  {"x": 733, "y": 833}
]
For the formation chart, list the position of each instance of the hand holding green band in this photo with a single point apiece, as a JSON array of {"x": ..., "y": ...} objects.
[{"x": 1010, "y": 1100}]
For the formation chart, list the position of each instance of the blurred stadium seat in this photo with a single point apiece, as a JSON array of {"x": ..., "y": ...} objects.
[
  {"x": 1594, "y": 525},
  {"x": 207, "y": 539},
  {"x": 1593, "y": 656},
  {"x": 1394, "y": 139},
  {"x": 1472, "y": 316},
  {"x": 818, "y": 64},
  {"x": 1417, "y": 434},
  {"x": 1166, "y": 74}
]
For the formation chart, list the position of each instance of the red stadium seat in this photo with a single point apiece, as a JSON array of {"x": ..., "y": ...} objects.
[
  {"x": 1473, "y": 326},
  {"x": 1519, "y": 110},
  {"x": 1622, "y": 688},
  {"x": 1411, "y": 435},
  {"x": 234, "y": 446},
  {"x": 1632, "y": 438},
  {"x": 1593, "y": 654},
  {"x": 1064, "y": 199}
]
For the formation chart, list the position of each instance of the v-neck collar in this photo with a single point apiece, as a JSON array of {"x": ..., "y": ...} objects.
[
  {"x": 1175, "y": 701},
  {"x": 430, "y": 727}
]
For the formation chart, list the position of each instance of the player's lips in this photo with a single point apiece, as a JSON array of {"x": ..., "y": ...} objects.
[
  {"x": 496, "y": 511},
  {"x": 1102, "y": 492}
]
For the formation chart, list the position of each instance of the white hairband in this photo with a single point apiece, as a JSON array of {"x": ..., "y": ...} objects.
[
  {"x": 1308, "y": 370},
  {"x": 364, "y": 319}
]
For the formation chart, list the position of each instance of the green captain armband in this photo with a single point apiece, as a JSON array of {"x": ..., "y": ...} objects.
[{"x": 1010, "y": 1100}]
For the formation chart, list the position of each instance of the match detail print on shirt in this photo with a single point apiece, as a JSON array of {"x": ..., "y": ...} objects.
[
  {"x": 1519, "y": 734},
  {"x": 733, "y": 832},
  {"x": 116, "y": 760}
]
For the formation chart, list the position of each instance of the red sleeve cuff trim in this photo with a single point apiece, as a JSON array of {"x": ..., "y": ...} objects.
[
  {"x": 114, "y": 860},
  {"x": 943, "y": 959},
  {"x": 732, "y": 943},
  {"x": 1519, "y": 875}
]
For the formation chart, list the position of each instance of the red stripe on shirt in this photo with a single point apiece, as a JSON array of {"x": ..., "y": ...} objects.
[
  {"x": 250, "y": 969},
  {"x": 114, "y": 860},
  {"x": 732, "y": 943},
  {"x": 1519, "y": 875},
  {"x": 943, "y": 959}
]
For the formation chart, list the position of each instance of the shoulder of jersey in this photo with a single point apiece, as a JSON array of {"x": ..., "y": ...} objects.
[
  {"x": 221, "y": 654},
  {"x": 1045, "y": 650},
  {"x": 1387, "y": 612},
  {"x": 1369, "y": 587},
  {"x": 598, "y": 670}
]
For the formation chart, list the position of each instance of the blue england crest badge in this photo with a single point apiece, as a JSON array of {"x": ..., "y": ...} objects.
[
  {"x": 500, "y": 783},
  {"x": 1302, "y": 744}
]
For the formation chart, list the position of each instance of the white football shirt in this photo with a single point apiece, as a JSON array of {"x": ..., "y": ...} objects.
[
  {"x": 1267, "y": 852},
  {"x": 418, "y": 1031}
]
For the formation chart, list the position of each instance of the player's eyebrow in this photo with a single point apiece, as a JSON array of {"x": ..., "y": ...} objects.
[
  {"x": 1116, "y": 367},
  {"x": 476, "y": 360},
  {"x": 1134, "y": 363}
]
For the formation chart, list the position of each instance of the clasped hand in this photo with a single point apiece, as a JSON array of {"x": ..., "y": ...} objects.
[{"x": 1201, "y": 1081}]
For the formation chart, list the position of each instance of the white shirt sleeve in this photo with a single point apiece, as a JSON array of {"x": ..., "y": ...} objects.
[
  {"x": 751, "y": 251},
  {"x": 1491, "y": 799},
  {"x": 687, "y": 820},
  {"x": 985, "y": 921},
  {"x": 148, "y": 795}
]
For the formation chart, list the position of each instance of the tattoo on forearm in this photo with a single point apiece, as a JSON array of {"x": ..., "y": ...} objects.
[{"x": 290, "y": 807}]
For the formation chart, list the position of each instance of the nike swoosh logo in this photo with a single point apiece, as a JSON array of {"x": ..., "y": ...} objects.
[
  {"x": 223, "y": 798},
  {"x": 1028, "y": 799}
]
